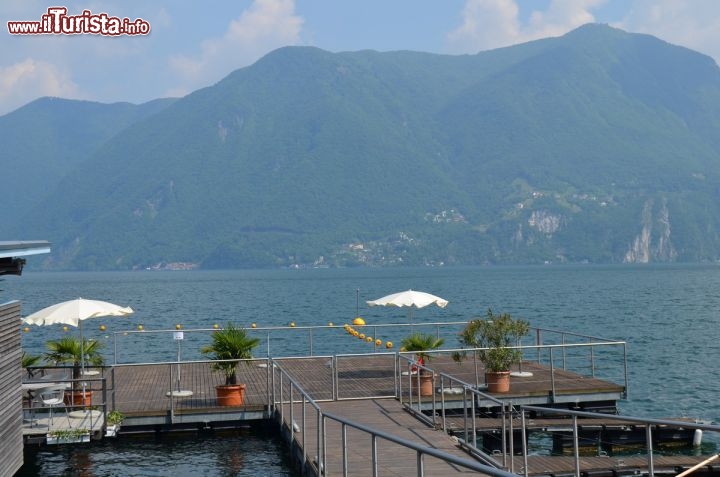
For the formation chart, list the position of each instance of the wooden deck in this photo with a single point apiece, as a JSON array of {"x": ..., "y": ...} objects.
[
  {"x": 143, "y": 390},
  {"x": 360, "y": 388}
]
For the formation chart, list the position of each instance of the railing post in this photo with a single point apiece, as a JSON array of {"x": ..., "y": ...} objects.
[
  {"x": 282, "y": 400},
  {"x": 434, "y": 399},
  {"x": 304, "y": 442},
  {"x": 511, "y": 436},
  {"x": 503, "y": 439},
  {"x": 552, "y": 374},
  {"x": 112, "y": 377},
  {"x": 397, "y": 379},
  {"x": 564, "y": 359},
  {"x": 592, "y": 360},
  {"x": 344, "y": 450},
  {"x": 538, "y": 343},
  {"x": 442, "y": 402},
  {"x": 626, "y": 369},
  {"x": 104, "y": 399},
  {"x": 474, "y": 422},
  {"x": 311, "y": 341},
  {"x": 648, "y": 438},
  {"x": 268, "y": 380},
  {"x": 291, "y": 424},
  {"x": 526, "y": 471},
  {"x": 172, "y": 401},
  {"x": 335, "y": 379},
  {"x": 324, "y": 449},
  {"x": 576, "y": 445},
  {"x": 374, "y": 456},
  {"x": 420, "y": 464},
  {"x": 465, "y": 413}
]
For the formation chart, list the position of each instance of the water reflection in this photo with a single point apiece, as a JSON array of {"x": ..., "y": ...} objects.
[{"x": 245, "y": 452}]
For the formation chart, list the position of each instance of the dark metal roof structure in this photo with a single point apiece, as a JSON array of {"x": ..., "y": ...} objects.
[{"x": 11, "y": 252}]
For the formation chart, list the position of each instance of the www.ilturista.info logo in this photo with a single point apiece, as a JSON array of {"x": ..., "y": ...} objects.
[{"x": 57, "y": 22}]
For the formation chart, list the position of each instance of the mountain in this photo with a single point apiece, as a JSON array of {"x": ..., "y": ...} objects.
[
  {"x": 598, "y": 146},
  {"x": 49, "y": 136}
]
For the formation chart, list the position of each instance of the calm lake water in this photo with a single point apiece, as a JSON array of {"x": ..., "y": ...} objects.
[{"x": 667, "y": 314}]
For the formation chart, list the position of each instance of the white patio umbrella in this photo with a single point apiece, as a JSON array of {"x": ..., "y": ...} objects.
[
  {"x": 73, "y": 313},
  {"x": 411, "y": 299}
]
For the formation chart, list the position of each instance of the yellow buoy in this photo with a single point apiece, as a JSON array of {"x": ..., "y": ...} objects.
[
  {"x": 102, "y": 328},
  {"x": 362, "y": 336},
  {"x": 216, "y": 326},
  {"x": 178, "y": 326},
  {"x": 369, "y": 339},
  {"x": 26, "y": 329},
  {"x": 141, "y": 327},
  {"x": 378, "y": 342},
  {"x": 65, "y": 328},
  {"x": 330, "y": 323},
  {"x": 292, "y": 324},
  {"x": 389, "y": 344},
  {"x": 358, "y": 321},
  {"x": 254, "y": 325}
]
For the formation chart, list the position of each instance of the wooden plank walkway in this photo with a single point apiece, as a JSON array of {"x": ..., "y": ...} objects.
[
  {"x": 362, "y": 383},
  {"x": 386, "y": 415},
  {"x": 389, "y": 416}
]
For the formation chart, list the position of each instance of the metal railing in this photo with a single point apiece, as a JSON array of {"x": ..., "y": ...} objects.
[
  {"x": 649, "y": 423},
  {"x": 286, "y": 392},
  {"x": 33, "y": 388}
]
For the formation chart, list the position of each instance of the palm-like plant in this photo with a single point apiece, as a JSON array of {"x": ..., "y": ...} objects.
[
  {"x": 420, "y": 343},
  {"x": 496, "y": 337},
  {"x": 28, "y": 361},
  {"x": 68, "y": 350},
  {"x": 230, "y": 345}
]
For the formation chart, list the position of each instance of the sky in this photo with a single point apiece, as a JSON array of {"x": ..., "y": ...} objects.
[{"x": 191, "y": 44}]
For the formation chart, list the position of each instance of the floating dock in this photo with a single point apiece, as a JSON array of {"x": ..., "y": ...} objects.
[{"x": 358, "y": 414}]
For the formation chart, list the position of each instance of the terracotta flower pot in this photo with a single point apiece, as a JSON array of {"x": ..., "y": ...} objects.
[
  {"x": 426, "y": 384},
  {"x": 498, "y": 382},
  {"x": 76, "y": 398},
  {"x": 230, "y": 395}
]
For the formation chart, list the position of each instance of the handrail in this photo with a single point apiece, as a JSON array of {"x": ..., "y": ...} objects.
[
  {"x": 321, "y": 437},
  {"x": 539, "y": 333},
  {"x": 594, "y": 415},
  {"x": 421, "y": 450},
  {"x": 71, "y": 404},
  {"x": 549, "y": 347}
]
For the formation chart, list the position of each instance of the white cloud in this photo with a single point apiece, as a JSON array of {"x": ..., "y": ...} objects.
[
  {"x": 29, "y": 79},
  {"x": 694, "y": 24},
  {"x": 488, "y": 24},
  {"x": 264, "y": 26}
]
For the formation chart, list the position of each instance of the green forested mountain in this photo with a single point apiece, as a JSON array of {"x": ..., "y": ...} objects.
[
  {"x": 45, "y": 139},
  {"x": 599, "y": 146}
]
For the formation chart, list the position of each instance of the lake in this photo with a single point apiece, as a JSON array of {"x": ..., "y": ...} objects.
[{"x": 668, "y": 314}]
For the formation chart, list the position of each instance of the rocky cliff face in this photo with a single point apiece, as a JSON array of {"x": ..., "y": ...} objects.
[{"x": 653, "y": 243}]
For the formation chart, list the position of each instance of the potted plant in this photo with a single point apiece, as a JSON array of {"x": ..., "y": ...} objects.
[
  {"x": 420, "y": 344},
  {"x": 114, "y": 419},
  {"x": 494, "y": 338},
  {"x": 68, "y": 350},
  {"x": 230, "y": 345},
  {"x": 67, "y": 436}
]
